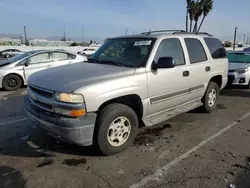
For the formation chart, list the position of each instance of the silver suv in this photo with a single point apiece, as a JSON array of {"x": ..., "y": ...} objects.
[{"x": 130, "y": 80}]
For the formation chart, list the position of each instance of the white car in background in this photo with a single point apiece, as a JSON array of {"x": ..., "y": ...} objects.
[
  {"x": 239, "y": 68},
  {"x": 87, "y": 51},
  {"x": 10, "y": 53},
  {"x": 15, "y": 71}
]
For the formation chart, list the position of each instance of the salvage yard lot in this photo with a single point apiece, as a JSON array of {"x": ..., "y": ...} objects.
[{"x": 191, "y": 150}]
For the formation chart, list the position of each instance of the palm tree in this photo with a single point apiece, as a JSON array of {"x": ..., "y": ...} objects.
[
  {"x": 207, "y": 6},
  {"x": 187, "y": 12},
  {"x": 191, "y": 11},
  {"x": 197, "y": 14}
]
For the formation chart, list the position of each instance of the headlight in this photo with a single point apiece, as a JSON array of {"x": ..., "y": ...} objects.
[
  {"x": 69, "y": 97},
  {"x": 241, "y": 71}
]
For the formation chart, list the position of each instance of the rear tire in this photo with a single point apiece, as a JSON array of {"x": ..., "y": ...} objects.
[
  {"x": 116, "y": 128},
  {"x": 12, "y": 82},
  {"x": 211, "y": 96}
]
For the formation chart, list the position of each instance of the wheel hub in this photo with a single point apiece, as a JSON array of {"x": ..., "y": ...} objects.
[
  {"x": 11, "y": 82},
  {"x": 119, "y": 131},
  {"x": 212, "y": 97}
]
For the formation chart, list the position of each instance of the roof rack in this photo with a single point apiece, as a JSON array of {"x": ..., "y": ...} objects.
[
  {"x": 161, "y": 31},
  {"x": 175, "y": 32}
]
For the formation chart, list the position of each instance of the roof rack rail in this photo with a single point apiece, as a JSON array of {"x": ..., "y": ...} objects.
[
  {"x": 191, "y": 33},
  {"x": 161, "y": 31}
]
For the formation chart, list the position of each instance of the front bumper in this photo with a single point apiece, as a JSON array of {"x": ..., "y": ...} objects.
[
  {"x": 71, "y": 130},
  {"x": 238, "y": 79}
]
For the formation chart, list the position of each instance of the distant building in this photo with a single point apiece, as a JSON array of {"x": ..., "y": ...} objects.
[{"x": 44, "y": 42}]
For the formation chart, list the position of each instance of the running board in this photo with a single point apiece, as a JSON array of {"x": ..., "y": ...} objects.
[{"x": 165, "y": 115}]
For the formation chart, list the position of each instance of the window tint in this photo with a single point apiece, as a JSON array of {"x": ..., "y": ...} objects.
[
  {"x": 171, "y": 48},
  {"x": 195, "y": 50},
  {"x": 40, "y": 58},
  {"x": 58, "y": 56},
  {"x": 215, "y": 47}
]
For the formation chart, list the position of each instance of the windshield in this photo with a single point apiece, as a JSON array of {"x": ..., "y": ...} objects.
[
  {"x": 18, "y": 57},
  {"x": 127, "y": 52},
  {"x": 239, "y": 57}
]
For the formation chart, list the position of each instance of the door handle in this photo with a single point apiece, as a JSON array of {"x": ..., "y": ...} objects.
[
  {"x": 185, "y": 73},
  {"x": 207, "y": 69}
]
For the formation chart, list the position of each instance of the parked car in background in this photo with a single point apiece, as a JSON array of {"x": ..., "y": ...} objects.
[
  {"x": 9, "y": 53},
  {"x": 246, "y": 49},
  {"x": 239, "y": 68},
  {"x": 15, "y": 71},
  {"x": 87, "y": 51},
  {"x": 146, "y": 78}
]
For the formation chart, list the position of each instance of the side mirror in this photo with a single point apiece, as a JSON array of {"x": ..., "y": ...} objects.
[
  {"x": 164, "y": 63},
  {"x": 26, "y": 63}
]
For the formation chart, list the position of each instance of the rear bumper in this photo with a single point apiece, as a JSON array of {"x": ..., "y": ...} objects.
[{"x": 71, "y": 130}]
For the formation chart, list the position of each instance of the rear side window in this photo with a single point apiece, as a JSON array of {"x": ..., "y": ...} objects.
[
  {"x": 171, "y": 48},
  {"x": 195, "y": 50},
  {"x": 58, "y": 56},
  {"x": 215, "y": 47}
]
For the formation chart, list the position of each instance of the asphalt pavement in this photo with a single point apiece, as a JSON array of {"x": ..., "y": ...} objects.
[{"x": 191, "y": 150}]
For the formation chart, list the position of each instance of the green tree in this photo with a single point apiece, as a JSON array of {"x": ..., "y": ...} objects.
[
  {"x": 191, "y": 11},
  {"x": 197, "y": 14},
  {"x": 207, "y": 6}
]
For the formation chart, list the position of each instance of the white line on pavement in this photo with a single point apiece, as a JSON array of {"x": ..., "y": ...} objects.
[
  {"x": 160, "y": 172},
  {"x": 14, "y": 121}
]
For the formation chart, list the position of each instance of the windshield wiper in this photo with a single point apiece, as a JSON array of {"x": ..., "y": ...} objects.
[
  {"x": 112, "y": 63},
  {"x": 91, "y": 60}
]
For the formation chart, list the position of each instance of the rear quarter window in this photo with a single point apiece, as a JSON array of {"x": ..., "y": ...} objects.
[{"x": 216, "y": 48}]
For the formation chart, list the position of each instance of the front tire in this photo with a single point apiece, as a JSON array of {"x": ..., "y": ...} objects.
[
  {"x": 12, "y": 82},
  {"x": 116, "y": 128},
  {"x": 211, "y": 96}
]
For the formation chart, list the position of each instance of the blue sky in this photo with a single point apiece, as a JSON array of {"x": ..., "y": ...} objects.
[{"x": 105, "y": 18}]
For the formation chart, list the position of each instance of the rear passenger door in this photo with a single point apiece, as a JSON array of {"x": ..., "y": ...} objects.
[{"x": 199, "y": 67}]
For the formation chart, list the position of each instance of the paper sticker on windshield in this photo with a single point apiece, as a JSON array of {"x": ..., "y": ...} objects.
[{"x": 143, "y": 43}]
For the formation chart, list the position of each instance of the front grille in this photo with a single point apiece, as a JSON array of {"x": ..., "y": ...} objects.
[
  {"x": 41, "y": 92},
  {"x": 42, "y": 105},
  {"x": 231, "y": 78}
]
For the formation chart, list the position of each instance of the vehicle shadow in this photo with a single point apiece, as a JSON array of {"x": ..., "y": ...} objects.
[
  {"x": 242, "y": 180},
  {"x": 235, "y": 93},
  {"x": 39, "y": 144},
  {"x": 10, "y": 177}
]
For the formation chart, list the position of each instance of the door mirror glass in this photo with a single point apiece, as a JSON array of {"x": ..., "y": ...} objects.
[
  {"x": 164, "y": 63},
  {"x": 26, "y": 63}
]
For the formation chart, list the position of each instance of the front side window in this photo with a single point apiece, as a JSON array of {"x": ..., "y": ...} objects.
[
  {"x": 215, "y": 47},
  {"x": 171, "y": 48},
  {"x": 127, "y": 52},
  {"x": 40, "y": 58},
  {"x": 195, "y": 50},
  {"x": 58, "y": 56}
]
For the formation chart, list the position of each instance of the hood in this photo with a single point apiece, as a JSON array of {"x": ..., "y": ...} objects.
[
  {"x": 67, "y": 78},
  {"x": 4, "y": 62},
  {"x": 236, "y": 66}
]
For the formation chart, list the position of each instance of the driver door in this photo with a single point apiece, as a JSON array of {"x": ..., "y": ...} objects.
[
  {"x": 168, "y": 87},
  {"x": 37, "y": 63}
]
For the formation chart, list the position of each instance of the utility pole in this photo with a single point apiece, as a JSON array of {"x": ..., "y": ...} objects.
[
  {"x": 82, "y": 34},
  {"x": 244, "y": 39},
  {"x": 25, "y": 35},
  {"x": 64, "y": 34},
  {"x": 235, "y": 33},
  {"x": 126, "y": 31}
]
